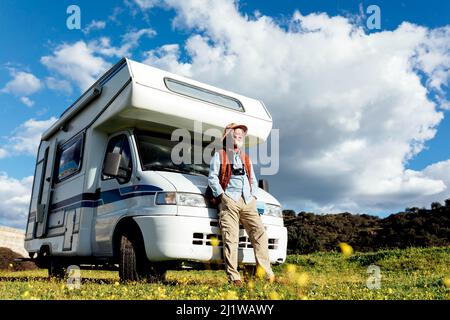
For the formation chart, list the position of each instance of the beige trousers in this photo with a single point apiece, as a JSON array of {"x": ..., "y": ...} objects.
[{"x": 230, "y": 213}]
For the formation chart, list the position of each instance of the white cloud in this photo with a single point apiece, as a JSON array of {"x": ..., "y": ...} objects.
[
  {"x": 25, "y": 138},
  {"x": 94, "y": 25},
  {"x": 438, "y": 171},
  {"x": 27, "y": 101},
  {"x": 147, "y": 4},
  {"x": 14, "y": 200},
  {"x": 83, "y": 63},
  {"x": 114, "y": 16},
  {"x": 23, "y": 84},
  {"x": 434, "y": 59},
  {"x": 130, "y": 40},
  {"x": 167, "y": 57},
  {"x": 134, "y": 36},
  {"x": 350, "y": 105},
  {"x": 76, "y": 62},
  {"x": 59, "y": 85},
  {"x": 3, "y": 153}
]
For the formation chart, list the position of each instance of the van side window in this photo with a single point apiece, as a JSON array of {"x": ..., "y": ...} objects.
[
  {"x": 69, "y": 160},
  {"x": 119, "y": 144},
  {"x": 203, "y": 94}
]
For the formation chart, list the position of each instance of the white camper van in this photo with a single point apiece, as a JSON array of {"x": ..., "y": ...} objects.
[{"x": 106, "y": 192}]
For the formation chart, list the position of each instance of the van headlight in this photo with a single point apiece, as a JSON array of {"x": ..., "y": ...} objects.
[
  {"x": 191, "y": 199},
  {"x": 181, "y": 199},
  {"x": 273, "y": 210}
]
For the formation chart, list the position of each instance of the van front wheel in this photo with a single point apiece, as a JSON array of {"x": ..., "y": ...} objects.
[
  {"x": 128, "y": 260},
  {"x": 133, "y": 263}
]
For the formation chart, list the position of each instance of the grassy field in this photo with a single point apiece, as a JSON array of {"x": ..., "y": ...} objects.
[{"x": 405, "y": 274}]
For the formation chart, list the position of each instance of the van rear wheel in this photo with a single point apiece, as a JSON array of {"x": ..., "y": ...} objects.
[
  {"x": 56, "y": 269},
  {"x": 133, "y": 263}
]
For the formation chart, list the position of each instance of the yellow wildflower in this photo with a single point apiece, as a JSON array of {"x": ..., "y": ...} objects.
[
  {"x": 302, "y": 279},
  {"x": 447, "y": 282},
  {"x": 346, "y": 249},
  {"x": 260, "y": 273},
  {"x": 214, "y": 241},
  {"x": 232, "y": 295},
  {"x": 291, "y": 269},
  {"x": 274, "y": 296}
]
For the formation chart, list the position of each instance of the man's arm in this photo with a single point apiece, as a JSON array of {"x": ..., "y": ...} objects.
[{"x": 213, "y": 178}]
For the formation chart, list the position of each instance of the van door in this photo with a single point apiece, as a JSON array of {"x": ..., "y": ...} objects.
[
  {"x": 46, "y": 190},
  {"x": 114, "y": 194}
]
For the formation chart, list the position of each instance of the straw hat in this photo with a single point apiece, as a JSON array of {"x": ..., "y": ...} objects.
[{"x": 233, "y": 126}]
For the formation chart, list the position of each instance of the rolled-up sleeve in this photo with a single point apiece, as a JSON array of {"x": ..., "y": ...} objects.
[{"x": 213, "y": 178}]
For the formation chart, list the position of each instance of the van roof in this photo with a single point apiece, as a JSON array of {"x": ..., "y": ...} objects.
[{"x": 171, "y": 99}]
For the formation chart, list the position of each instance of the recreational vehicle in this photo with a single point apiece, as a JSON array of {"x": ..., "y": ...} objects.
[{"x": 107, "y": 194}]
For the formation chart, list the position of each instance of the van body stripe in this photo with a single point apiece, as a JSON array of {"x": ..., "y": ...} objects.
[{"x": 92, "y": 200}]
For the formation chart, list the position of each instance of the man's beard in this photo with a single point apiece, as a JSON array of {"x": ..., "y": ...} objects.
[{"x": 238, "y": 144}]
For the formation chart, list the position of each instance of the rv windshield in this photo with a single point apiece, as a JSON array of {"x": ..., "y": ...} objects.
[{"x": 155, "y": 153}]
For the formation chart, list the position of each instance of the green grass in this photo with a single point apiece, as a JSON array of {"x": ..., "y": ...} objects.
[{"x": 405, "y": 274}]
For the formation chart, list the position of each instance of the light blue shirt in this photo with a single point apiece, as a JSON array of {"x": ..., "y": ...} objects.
[{"x": 238, "y": 185}]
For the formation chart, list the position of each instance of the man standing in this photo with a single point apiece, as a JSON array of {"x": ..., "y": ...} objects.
[{"x": 231, "y": 177}]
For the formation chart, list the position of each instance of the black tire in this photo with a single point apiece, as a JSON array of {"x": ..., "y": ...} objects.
[
  {"x": 133, "y": 263},
  {"x": 128, "y": 260},
  {"x": 56, "y": 269}
]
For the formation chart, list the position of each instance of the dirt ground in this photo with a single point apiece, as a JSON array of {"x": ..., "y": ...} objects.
[{"x": 7, "y": 262}]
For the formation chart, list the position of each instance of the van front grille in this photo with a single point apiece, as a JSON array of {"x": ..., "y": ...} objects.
[{"x": 206, "y": 239}]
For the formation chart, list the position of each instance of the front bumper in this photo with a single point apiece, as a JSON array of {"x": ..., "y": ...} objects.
[{"x": 189, "y": 238}]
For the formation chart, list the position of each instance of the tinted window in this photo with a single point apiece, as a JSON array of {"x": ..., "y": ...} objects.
[
  {"x": 203, "y": 94},
  {"x": 70, "y": 158},
  {"x": 120, "y": 145}
]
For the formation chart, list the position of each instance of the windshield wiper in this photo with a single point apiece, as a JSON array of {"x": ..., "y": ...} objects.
[{"x": 170, "y": 169}]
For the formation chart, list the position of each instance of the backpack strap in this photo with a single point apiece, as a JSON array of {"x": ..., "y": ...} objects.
[
  {"x": 225, "y": 169},
  {"x": 248, "y": 167}
]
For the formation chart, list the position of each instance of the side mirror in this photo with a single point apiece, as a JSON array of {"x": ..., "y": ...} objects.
[
  {"x": 263, "y": 184},
  {"x": 112, "y": 164}
]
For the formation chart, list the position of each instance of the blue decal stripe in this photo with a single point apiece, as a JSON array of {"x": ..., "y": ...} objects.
[{"x": 93, "y": 200}]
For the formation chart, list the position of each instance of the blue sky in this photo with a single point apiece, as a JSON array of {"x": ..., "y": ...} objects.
[{"x": 32, "y": 30}]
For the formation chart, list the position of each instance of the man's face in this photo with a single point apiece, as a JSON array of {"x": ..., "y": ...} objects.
[{"x": 238, "y": 137}]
